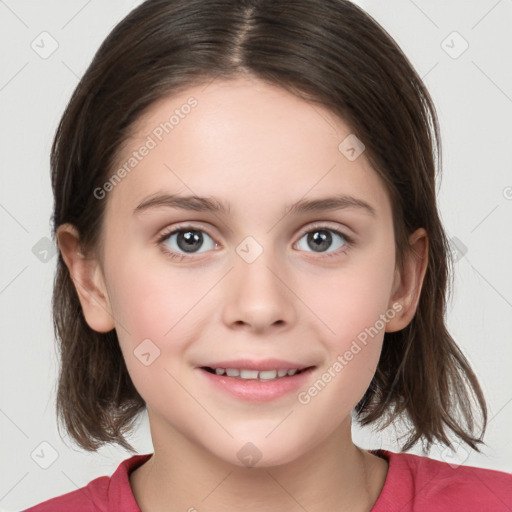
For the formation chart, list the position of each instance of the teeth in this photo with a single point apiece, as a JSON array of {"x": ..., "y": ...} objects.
[
  {"x": 249, "y": 374},
  {"x": 255, "y": 374},
  {"x": 269, "y": 374}
]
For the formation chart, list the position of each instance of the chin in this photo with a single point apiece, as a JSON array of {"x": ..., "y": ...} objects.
[{"x": 258, "y": 453}]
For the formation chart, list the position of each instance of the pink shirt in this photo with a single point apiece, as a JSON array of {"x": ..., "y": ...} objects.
[{"x": 413, "y": 484}]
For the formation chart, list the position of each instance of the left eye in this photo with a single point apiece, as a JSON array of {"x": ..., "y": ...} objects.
[{"x": 321, "y": 239}]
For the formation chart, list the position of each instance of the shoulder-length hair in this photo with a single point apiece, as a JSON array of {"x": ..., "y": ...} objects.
[{"x": 329, "y": 52}]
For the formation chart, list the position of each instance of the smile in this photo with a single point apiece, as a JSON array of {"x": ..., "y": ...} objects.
[
  {"x": 253, "y": 374},
  {"x": 252, "y": 385}
]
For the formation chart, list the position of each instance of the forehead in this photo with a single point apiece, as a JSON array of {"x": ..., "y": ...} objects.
[{"x": 243, "y": 140}]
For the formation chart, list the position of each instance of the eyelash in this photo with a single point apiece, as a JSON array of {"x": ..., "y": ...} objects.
[{"x": 349, "y": 241}]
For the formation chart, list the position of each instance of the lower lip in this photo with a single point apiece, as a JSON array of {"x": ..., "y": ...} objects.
[{"x": 258, "y": 390}]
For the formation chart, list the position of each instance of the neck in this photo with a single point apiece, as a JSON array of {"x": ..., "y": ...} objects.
[{"x": 335, "y": 475}]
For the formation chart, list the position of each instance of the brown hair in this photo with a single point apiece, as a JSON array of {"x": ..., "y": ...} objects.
[{"x": 329, "y": 52}]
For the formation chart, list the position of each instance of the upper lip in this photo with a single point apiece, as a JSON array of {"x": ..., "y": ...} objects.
[{"x": 253, "y": 364}]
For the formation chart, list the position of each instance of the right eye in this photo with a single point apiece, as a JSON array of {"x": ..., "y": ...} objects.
[{"x": 185, "y": 240}]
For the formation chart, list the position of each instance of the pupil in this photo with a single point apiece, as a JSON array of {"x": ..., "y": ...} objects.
[
  {"x": 320, "y": 240},
  {"x": 191, "y": 239}
]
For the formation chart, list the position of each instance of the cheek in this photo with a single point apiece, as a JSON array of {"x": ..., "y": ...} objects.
[
  {"x": 353, "y": 306},
  {"x": 352, "y": 299},
  {"x": 355, "y": 317},
  {"x": 153, "y": 310},
  {"x": 150, "y": 295},
  {"x": 155, "y": 301},
  {"x": 148, "y": 302}
]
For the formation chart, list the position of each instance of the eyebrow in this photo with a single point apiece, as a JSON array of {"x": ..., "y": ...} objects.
[{"x": 213, "y": 205}]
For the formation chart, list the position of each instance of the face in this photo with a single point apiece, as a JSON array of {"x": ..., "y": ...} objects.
[{"x": 257, "y": 285}]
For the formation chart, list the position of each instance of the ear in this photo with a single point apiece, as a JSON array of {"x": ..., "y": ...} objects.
[
  {"x": 87, "y": 276},
  {"x": 409, "y": 281}
]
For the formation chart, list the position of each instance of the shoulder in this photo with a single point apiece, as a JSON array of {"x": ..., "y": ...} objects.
[
  {"x": 91, "y": 498},
  {"x": 105, "y": 494},
  {"x": 420, "y": 483}
]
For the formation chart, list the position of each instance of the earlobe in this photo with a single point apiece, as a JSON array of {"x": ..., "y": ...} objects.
[
  {"x": 87, "y": 277},
  {"x": 409, "y": 281}
]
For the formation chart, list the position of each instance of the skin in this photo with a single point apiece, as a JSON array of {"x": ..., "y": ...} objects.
[{"x": 258, "y": 148}]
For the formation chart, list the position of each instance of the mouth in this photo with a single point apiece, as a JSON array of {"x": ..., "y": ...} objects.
[
  {"x": 259, "y": 375},
  {"x": 256, "y": 384}
]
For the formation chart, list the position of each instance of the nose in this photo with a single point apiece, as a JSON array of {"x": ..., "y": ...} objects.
[{"x": 258, "y": 297}]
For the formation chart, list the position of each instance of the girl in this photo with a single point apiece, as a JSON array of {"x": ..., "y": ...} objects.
[{"x": 250, "y": 250}]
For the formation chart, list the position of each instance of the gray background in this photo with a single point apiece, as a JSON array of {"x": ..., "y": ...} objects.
[{"x": 473, "y": 95}]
